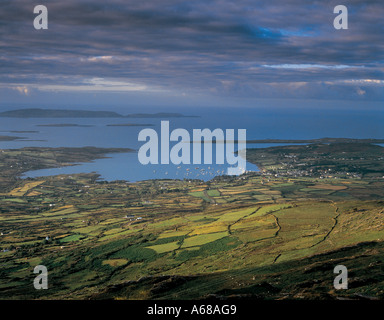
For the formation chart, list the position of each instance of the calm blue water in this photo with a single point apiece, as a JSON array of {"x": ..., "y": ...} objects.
[{"x": 260, "y": 124}]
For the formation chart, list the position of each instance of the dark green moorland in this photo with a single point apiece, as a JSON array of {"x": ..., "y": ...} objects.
[{"x": 276, "y": 234}]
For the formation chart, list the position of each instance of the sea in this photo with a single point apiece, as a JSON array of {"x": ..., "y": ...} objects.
[{"x": 260, "y": 123}]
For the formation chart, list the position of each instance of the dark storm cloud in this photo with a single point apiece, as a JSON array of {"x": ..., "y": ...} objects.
[{"x": 254, "y": 48}]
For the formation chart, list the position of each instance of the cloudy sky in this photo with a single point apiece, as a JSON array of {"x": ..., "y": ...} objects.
[{"x": 166, "y": 52}]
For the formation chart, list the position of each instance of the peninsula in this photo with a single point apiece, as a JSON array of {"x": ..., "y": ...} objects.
[{"x": 64, "y": 113}]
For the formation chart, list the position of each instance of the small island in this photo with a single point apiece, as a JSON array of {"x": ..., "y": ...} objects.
[
  {"x": 130, "y": 125},
  {"x": 63, "y": 125},
  {"x": 9, "y": 138},
  {"x": 22, "y": 131},
  {"x": 163, "y": 115}
]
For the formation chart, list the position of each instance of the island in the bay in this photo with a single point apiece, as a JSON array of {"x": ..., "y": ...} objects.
[
  {"x": 64, "y": 125},
  {"x": 130, "y": 125},
  {"x": 64, "y": 113},
  {"x": 10, "y": 138}
]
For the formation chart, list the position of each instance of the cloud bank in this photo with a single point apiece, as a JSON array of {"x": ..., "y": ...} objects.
[{"x": 244, "y": 48}]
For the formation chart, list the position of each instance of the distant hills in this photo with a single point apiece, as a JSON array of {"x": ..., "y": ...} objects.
[{"x": 54, "y": 113}]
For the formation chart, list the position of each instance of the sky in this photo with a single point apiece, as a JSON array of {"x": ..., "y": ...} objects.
[{"x": 158, "y": 53}]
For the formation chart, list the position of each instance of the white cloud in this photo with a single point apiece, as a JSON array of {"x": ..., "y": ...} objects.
[
  {"x": 360, "y": 92},
  {"x": 95, "y": 85},
  {"x": 23, "y": 90},
  {"x": 354, "y": 82},
  {"x": 309, "y": 66},
  {"x": 365, "y": 82},
  {"x": 99, "y": 58}
]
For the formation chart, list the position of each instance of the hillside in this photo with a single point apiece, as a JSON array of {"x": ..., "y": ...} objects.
[{"x": 259, "y": 235}]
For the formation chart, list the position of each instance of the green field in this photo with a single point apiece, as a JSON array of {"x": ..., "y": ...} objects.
[{"x": 261, "y": 235}]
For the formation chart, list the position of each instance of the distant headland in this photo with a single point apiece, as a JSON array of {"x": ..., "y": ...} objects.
[{"x": 55, "y": 113}]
